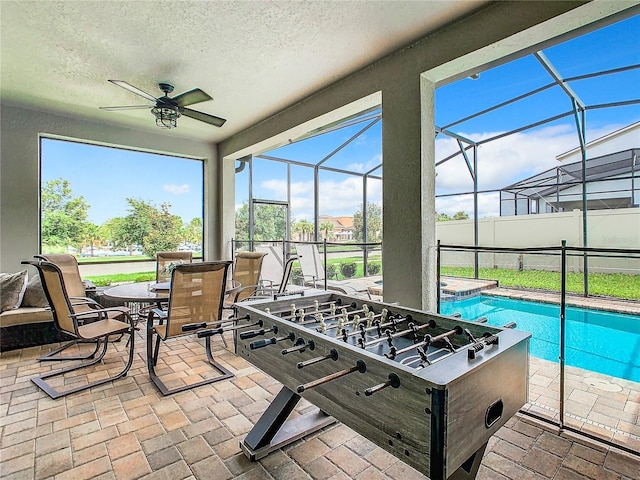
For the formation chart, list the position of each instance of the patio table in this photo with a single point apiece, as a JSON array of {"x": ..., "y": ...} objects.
[{"x": 148, "y": 292}]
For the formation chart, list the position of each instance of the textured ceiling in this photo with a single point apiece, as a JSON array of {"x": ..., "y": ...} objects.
[{"x": 253, "y": 57}]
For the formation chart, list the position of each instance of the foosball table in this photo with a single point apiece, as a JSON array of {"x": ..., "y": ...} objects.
[{"x": 428, "y": 388}]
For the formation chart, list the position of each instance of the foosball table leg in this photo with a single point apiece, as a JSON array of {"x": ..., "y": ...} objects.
[
  {"x": 274, "y": 429},
  {"x": 469, "y": 469}
]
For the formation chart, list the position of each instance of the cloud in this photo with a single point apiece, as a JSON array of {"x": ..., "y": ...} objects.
[
  {"x": 488, "y": 205},
  {"x": 176, "y": 189},
  {"x": 501, "y": 163},
  {"x": 504, "y": 161},
  {"x": 337, "y": 198}
]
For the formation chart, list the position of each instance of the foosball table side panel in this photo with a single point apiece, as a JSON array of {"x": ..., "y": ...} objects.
[
  {"x": 396, "y": 419},
  {"x": 478, "y": 405}
]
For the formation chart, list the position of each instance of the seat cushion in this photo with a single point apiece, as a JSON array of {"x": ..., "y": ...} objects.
[{"x": 25, "y": 315}]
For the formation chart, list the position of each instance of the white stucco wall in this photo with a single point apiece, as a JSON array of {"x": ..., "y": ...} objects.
[{"x": 618, "y": 229}]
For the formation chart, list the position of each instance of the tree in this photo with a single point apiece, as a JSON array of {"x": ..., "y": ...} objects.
[
  {"x": 270, "y": 222},
  {"x": 153, "y": 229},
  {"x": 304, "y": 229},
  {"x": 192, "y": 232},
  {"x": 94, "y": 235},
  {"x": 63, "y": 215},
  {"x": 374, "y": 224},
  {"x": 443, "y": 217},
  {"x": 326, "y": 228},
  {"x": 165, "y": 231}
]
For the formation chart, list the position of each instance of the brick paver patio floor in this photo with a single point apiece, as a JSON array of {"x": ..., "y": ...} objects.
[{"x": 127, "y": 430}]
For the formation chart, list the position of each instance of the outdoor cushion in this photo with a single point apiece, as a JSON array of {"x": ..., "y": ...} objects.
[
  {"x": 12, "y": 287},
  {"x": 34, "y": 294}
]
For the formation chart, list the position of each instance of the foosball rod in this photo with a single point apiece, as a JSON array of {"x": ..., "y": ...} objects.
[
  {"x": 280, "y": 313},
  {"x": 271, "y": 341},
  {"x": 299, "y": 346},
  {"x": 360, "y": 366},
  {"x": 189, "y": 327},
  {"x": 429, "y": 354},
  {"x": 361, "y": 321},
  {"x": 335, "y": 315},
  {"x": 428, "y": 340},
  {"x": 402, "y": 333},
  {"x": 364, "y": 331},
  {"x": 394, "y": 381},
  {"x": 333, "y": 355}
]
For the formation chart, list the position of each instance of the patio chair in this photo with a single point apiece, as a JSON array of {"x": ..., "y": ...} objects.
[
  {"x": 314, "y": 274},
  {"x": 196, "y": 296},
  {"x": 275, "y": 274},
  {"x": 75, "y": 287},
  {"x": 246, "y": 274},
  {"x": 163, "y": 259},
  {"x": 69, "y": 318}
]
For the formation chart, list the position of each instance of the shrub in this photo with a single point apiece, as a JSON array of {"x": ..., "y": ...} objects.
[
  {"x": 296, "y": 275},
  {"x": 373, "y": 268},
  {"x": 348, "y": 269},
  {"x": 332, "y": 271}
]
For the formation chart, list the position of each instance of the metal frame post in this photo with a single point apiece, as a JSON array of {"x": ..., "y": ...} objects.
[{"x": 563, "y": 293}]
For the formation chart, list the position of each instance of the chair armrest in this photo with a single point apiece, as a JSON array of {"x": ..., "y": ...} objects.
[
  {"x": 156, "y": 312},
  {"x": 102, "y": 313},
  {"x": 85, "y": 301}
]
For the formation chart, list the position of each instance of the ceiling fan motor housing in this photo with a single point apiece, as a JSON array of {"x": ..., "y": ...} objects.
[{"x": 165, "y": 87}]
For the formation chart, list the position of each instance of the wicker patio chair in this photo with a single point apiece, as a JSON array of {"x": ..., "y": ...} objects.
[
  {"x": 68, "y": 317},
  {"x": 196, "y": 296}
]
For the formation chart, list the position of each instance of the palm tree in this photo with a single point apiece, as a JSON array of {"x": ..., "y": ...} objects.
[
  {"x": 326, "y": 227},
  {"x": 305, "y": 229}
]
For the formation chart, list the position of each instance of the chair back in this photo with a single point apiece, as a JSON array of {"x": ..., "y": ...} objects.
[
  {"x": 68, "y": 265},
  {"x": 275, "y": 271},
  {"x": 272, "y": 265},
  {"x": 163, "y": 259},
  {"x": 310, "y": 262},
  {"x": 197, "y": 294},
  {"x": 54, "y": 287},
  {"x": 247, "y": 272}
]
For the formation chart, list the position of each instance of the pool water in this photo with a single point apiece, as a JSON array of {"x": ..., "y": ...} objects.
[{"x": 603, "y": 342}]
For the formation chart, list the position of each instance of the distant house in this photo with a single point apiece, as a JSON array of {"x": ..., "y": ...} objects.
[
  {"x": 342, "y": 228},
  {"x": 612, "y": 179}
]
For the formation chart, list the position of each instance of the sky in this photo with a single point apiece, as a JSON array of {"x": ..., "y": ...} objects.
[
  {"x": 96, "y": 173},
  {"x": 105, "y": 177},
  {"x": 500, "y": 162}
]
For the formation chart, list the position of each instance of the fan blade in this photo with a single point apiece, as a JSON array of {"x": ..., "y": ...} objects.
[
  {"x": 203, "y": 117},
  {"x": 131, "y": 88},
  {"x": 191, "y": 97},
  {"x": 128, "y": 107}
]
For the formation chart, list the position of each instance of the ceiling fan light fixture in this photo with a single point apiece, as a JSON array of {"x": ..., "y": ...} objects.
[{"x": 166, "y": 116}]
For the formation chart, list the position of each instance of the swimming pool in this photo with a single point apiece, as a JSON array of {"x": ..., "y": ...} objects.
[{"x": 603, "y": 342}]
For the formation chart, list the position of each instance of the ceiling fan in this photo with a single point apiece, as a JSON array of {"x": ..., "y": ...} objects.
[{"x": 167, "y": 109}]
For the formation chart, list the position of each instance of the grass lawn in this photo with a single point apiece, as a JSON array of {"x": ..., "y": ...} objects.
[
  {"x": 609, "y": 284},
  {"x": 106, "y": 280}
]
